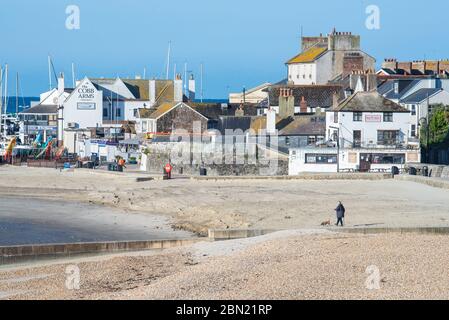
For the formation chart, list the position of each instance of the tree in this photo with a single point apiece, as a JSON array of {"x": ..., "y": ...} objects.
[{"x": 438, "y": 126}]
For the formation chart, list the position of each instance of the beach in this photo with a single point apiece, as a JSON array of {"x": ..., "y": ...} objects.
[
  {"x": 199, "y": 205},
  {"x": 300, "y": 261},
  {"x": 302, "y": 264}
]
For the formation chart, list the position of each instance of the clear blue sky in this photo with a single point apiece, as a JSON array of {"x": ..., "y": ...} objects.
[{"x": 240, "y": 42}]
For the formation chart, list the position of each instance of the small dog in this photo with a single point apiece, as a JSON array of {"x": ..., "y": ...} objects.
[{"x": 326, "y": 223}]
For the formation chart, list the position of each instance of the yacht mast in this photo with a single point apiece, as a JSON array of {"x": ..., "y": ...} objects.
[{"x": 6, "y": 102}]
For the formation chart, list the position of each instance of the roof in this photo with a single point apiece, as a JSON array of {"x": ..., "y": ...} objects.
[
  {"x": 370, "y": 101},
  {"x": 41, "y": 109},
  {"x": 140, "y": 88},
  {"x": 305, "y": 125},
  {"x": 308, "y": 56},
  {"x": 144, "y": 113},
  {"x": 421, "y": 95},
  {"x": 162, "y": 109},
  {"x": 316, "y": 96},
  {"x": 164, "y": 91},
  {"x": 214, "y": 111},
  {"x": 404, "y": 86}
]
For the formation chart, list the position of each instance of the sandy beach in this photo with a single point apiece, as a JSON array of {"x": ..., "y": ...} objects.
[
  {"x": 262, "y": 204},
  {"x": 304, "y": 261}
]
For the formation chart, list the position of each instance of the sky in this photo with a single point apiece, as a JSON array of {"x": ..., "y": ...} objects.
[{"x": 240, "y": 43}]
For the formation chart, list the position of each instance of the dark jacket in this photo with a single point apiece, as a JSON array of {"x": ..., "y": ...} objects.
[{"x": 340, "y": 211}]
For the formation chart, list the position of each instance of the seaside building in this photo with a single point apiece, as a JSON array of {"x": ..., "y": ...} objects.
[
  {"x": 106, "y": 107},
  {"x": 369, "y": 132},
  {"x": 325, "y": 58}
]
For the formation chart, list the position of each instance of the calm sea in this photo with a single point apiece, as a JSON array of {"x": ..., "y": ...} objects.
[{"x": 24, "y": 102}]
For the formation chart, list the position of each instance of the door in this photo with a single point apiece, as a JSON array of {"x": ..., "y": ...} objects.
[{"x": 357, "y": 138}]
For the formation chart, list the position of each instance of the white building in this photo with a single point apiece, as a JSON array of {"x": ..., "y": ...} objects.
[
  {"x": 370, "y": 133},
  {"x": 325, "y": 58},
  {"x": 304, "y": 160},
  {"x": 420, "y": 104},
  {"x": 367, "y": 120}
]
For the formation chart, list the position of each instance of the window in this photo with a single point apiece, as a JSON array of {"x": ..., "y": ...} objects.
[
  {"x": 311, "y": 140},
  {"x": 413, "y": 110},
  {"x": 357, "y": 116},
  {"x": 118, "y": 112},
  {"x": 383, "y": 158},
  {"x": 136, "y": 113},
  {"x": 287, "y": 141},
  {"x": 335, "y": 117},
  {"x": 413, "y": 131},
  {"x": 105, "y": 112},
  {"x": 387, "y": 137},
  {"x": 388, "y": 116},
  {"x": 321, "y": 158}
]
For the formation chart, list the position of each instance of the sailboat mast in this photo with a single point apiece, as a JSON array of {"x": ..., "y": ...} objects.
[
  {"x": 185, "y": 78},
  {"x": 201, "y": 84},
  {"x": 73, "y": 76},
  {"x": 6, "y": 101},
  {"x": 49, "y": 71},
  {"x": 17, "y": 93},
  {"x": 168, "y": 60}
]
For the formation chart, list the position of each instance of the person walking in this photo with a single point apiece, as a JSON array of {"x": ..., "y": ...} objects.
[{"x": 340, "y": 211}]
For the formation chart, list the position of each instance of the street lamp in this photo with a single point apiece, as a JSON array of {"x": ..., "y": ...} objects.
[{"x": 338, "y": 147}]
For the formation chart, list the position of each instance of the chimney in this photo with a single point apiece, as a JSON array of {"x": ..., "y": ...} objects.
[
  {"x": 240, "y": 112},
  {"x": 271, "y": 121},
  {"x": 303, "y": 105},
  {"x": 152, "y": 93},
  {"x": 177, "y": 83},
  {"x": 335, "y": 99},
  {"x": 286, "y": 103},
  {"x": 391, "y": 64},
  {"x": 61, "y": 85}
]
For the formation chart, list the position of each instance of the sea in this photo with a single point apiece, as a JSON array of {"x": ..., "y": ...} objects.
[{"x": 24, "y": 103}]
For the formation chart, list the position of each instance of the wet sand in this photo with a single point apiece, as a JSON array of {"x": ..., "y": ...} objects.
[{"x": 36, "y": 221}]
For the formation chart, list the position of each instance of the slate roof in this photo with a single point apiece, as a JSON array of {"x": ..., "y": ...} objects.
[
  {"x": 305, "y": 126},
  {"x": 369, "y": 102},
  {"x": 316, "y": 96},
  {"x": 139, "y": 88},
  {"x": 308, "y": 56},
  {"x": 41, "y": 109},
  {"x": 420, "y": 95},
  {"x": 214, "y": 111},
  {"x": 404, "y": 86}
]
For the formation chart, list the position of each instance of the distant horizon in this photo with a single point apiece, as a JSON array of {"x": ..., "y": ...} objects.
[{"x": 236, "y": 49}]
